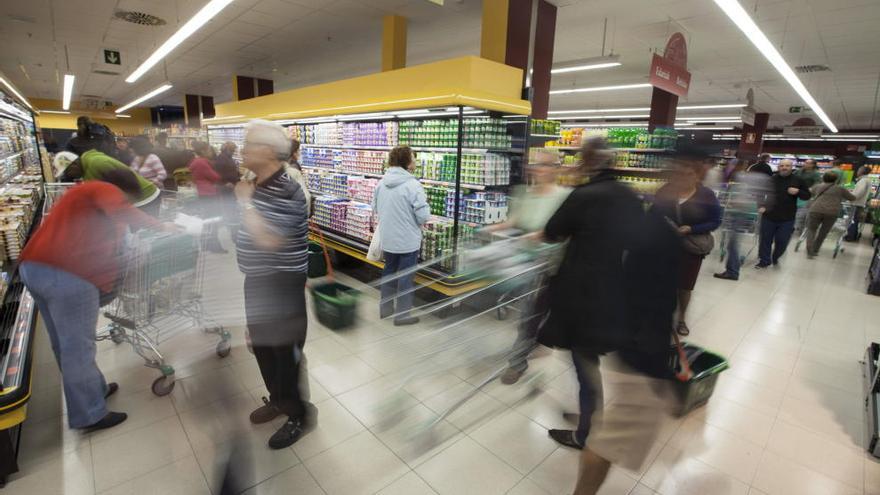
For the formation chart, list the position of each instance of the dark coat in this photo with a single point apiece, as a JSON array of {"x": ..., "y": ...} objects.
[
  {"x": 588, "y": 307},
  {"x": 781, "y": 206},
  {"x": 701, "y": 212}
]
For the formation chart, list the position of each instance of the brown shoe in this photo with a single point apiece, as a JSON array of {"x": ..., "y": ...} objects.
[
  {"x": 511, "y": 376},
  {"x": 265, "y": 413}
]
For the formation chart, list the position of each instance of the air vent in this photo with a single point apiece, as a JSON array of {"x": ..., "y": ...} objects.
[
  {"x": 106, "y": 72},
  {"x": 141, "y": 18},
  {"x": 806, "y": 69}
]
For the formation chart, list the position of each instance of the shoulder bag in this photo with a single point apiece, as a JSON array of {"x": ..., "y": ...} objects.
[{"x": 698, "y": 244}]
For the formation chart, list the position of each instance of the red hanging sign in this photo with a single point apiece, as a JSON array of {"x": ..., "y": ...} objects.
[{"x": 669, "y": 72}]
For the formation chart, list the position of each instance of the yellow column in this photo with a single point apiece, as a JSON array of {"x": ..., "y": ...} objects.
[
  {"x": 493, "y": 37},
  {"x": 234, "y": 87},
  {"x": 393, "y": 42}
]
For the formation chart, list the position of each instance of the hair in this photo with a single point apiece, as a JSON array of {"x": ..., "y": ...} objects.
[
  {"x": 124, "y": 179},
  {"x": 863, "y": 170},
  {"x": 83, "y": 120},
  {"x": 764, "y": 157},
  {"x": 162, "y": 138},
  {"x": 228, "y": 146},
  {"x": 830, "y": 177},
  {"x": 294, "y": 146},
  {"x": 400, "y": 156},
  {"x": 202, "y": 148},
  {"x": 141, "y": 145}
]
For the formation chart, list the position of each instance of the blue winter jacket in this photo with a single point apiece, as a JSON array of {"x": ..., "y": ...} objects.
[{"x": 402, "y": 208}]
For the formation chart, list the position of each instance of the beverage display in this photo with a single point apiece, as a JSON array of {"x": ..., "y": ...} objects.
[{"x": 545, "y": 127}]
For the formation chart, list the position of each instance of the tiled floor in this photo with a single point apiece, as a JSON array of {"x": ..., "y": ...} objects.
[{"x": 786, "y": 418}]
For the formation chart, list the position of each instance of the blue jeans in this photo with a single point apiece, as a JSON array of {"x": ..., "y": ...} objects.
[
  {"x": 397, "y": 294},
  {"x": 733, "y": 263},
  {"x": 590, "y": 396},
  {"x": 69, "y": 308},
  {"x": 775, "y": 235}
]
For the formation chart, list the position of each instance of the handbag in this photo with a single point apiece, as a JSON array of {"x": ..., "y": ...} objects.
[
  {"x": 699, "y": 244},
  {"x": 374, "y": 253}
]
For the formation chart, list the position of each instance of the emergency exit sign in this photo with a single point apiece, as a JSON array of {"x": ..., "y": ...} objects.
[
  {"x": 795, "y": 109},
  {"x": 112, "y": 57}
]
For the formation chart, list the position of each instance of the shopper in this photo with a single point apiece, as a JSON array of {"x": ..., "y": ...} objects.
[
  {"x": 228, "y": 169},
  {"x": 824, "y": 210},
  {"x": 740, "y": 215},
  {"x": 273, "y": 255},
  {"x": 778, "y": 209},
  {"x": 762, "y": 166},
  {"x": 70, "y": 264},
  {"x": 295, "y": 171},
  {"x": 861, "y": 192},
  {"x": 172, "y": 160},
  {"x": 695, "y": 213},
  {"x": 208, "y": 184},
  {"x": 530, "y": 209},
  {"x": 95, "y": 163},
  {"x": 87, "y": 136},
  {"x": 123, "y": 151},
  {"x": 402, "y": 209},
  {"x": 811, "y": 176},
  {"x": 146, "y": 163}
]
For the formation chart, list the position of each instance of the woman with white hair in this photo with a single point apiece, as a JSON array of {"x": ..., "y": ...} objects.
[{"x": 273, "y": 255}]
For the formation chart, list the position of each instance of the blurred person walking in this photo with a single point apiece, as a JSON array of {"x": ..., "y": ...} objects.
[
  {"x": 861, "y": 192},
  {"x": 778, "y": 209},
  {"x": 94, "y": 164},
  {"x": 739, "y": 214},
  {"x": 85, "y": 139},
  {"x": 146, "y": 163},
  {"x": 402, "y": 208},
  {"x": 123, "y": 151},
  {"x": 811, "y": 176},
  {"x": 693, "y": 210},
  {"x": 208, "y": 184},
  {"x": 72, "y": 266},
  {"x": 171, "y": 159},
  {"x": 228, "y": 169},
  {"x": 294, "y": 169},
  {"x": 762, "y": 166},
  {"x": 824, "y": 210},
  {"x": 273, "y": 255}
]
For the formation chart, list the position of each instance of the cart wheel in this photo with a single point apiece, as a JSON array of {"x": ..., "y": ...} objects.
[
  {"x": 797, "y": 246},
  {"x": 117, "y": 335},
  {"x": 836, "y": 251},
  {"x": 224, "y": 347},
  {"x": 502, "y": 313},
  {"x": 163, "y": 385}
]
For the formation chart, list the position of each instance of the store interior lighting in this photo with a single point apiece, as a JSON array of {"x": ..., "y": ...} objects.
[
  {"x": 744, "y": 22},
  {"x": 60, "y": 112},
  {"x": 705, "y": 128},
  {"x": 647, "y": 109},
  {"x": 586, "y": 64},
  {"x": 123, "y": 116},
  {"x": 204, "y": 15},
  {"x": 712, "y": 107},
  {"x": 14, "y": 91},
  {"x": 607, "y": 124},
  {"x": 161, "y": 89},
  {"x": 707, "y": 118},
  {"x": 67, "y": 91},
  {"x": 618, "y": 87}
]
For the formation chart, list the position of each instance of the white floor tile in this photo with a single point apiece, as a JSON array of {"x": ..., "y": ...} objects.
[
  {"x": 335, "y": 424},
  {"x": 343, "y": 374},
  {"x": 779, "y": 476},
  {"x": 359, "y": 465},
  {"x": 67, "y": 473},
  {"x": 207, "y": 387},
  {"x": 181, "y": 477},
  {"x": 409, "y": 484},
  {"x": 724, "y": 451},
  {"x": 676, "y": 473},
  {"x": 749, "y": 424},
  {"x": 558, "y": 473},
  {"x": 416, "y": 435},
  {"x": 516, "y": 439},
  {"x": 817, "y": 453},
  {"x": 284, "y": 483},
  {"x": 466, "y": 468},
  {"x": 243, "y": 461}
]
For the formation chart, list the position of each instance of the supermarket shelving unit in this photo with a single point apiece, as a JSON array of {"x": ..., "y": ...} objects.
[{"x": 20, "y": 154}]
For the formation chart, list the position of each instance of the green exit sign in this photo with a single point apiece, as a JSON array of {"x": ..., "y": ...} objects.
[{"x": 795, "y": 109}]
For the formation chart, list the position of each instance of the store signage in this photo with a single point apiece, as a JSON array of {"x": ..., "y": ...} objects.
[
  {"x": 747, "y": 115},
  {"x": 112, "y": 57},
  {"x": 438, "y": 2},
  {"x": 802, "y": 130},
  {"x": 751, "y": 137},
  {"x": 795, "y": 109},
  {"x": 669, "y": 72}
]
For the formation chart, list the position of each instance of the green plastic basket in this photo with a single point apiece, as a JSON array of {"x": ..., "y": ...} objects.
[
  {"x": 317, "y": 265},
  {"x": 335, "y": 304},
  {"x": 706, "y": 368}
]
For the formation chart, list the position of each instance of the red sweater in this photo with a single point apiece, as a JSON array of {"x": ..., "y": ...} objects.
[
  {"x": 83, "y": 233},
  {"x": 204, "y": 176}
]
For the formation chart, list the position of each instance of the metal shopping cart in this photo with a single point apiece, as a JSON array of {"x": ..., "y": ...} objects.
[
  {"x": 160, "y": 295},
  {"x": 740, "y": 218},
  {"x": 53, "y": 192},
  {"x": 845, "y": 217}
]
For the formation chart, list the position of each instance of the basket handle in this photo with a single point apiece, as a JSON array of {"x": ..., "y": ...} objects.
[
  {"x": 324, "y": 249},
  {"x": 686, "y": 373}
]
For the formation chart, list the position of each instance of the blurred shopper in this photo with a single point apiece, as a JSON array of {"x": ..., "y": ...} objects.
[
  {"x": 294, "y": 169},
  {"x": 530, "y": 208},
  {"x": 861, "y": 193},
  {"x": 824, "y": 210},
  {"x": 778, "y": 209},
  {"x": 762, "y": 166},
  {"x": 402, "y": 208},
  {"x": 273, "y": 255},
  {"x": 695, "y": 213},
  {"x": 85, "y": 139},
  {"x": 208, "y": 185},
  {"x": 171, "y": 159},
  {"x": 94, "y": 164},
  {"x": 228, "y": 169},
  {"x": 123, "y": 152},
  {"x": 70, "y": 265},
  {"x": 146, "y": 163},
  {"x": 811, "y": 176},
  {"x": 740, "y": 214}
]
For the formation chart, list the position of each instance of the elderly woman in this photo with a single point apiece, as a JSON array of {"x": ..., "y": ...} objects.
[{"x": 273, "y": 255}]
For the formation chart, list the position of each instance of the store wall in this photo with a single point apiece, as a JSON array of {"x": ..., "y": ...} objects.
[{"x": 140, "y": 118}]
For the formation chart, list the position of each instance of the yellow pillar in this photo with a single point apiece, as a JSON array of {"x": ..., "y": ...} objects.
[
  {"x": 234, "y": 87},
  {"x": 393, "y": 42},
  {"x": 493, "y": 37}
]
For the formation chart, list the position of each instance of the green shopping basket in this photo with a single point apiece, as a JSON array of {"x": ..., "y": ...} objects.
[
  {"x": 698, "y": 374},
  {"x": 317, "y": 265},
  {"x": 335, "y": 303}
]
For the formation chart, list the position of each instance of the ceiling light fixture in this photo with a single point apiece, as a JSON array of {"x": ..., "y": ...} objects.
[
  {"x": 586, "y": 64},
  {"x": 202, "y": 16},
  {"x": 592, "y": 117},
  {"x": 708, "y": 107},
  {"x": 123, "y": 116},
  {"x": 14, "y": 91},
  {"x": 609, "y": 124},
  {"x": 706, "y": 128},
  {"x": 709, "y": 117},
  {"x": 67, "y": 92},
  {"x": 745, "y": 23},
  {"x": 161, "y": 89},
  {"x": 600, "y": 88},
  {"x": 61, "y": 112}
]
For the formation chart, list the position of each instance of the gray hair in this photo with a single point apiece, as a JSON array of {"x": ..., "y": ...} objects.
[{"x": 269, "y": 134}]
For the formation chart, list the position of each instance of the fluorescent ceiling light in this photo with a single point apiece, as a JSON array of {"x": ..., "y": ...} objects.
[
  {"x": 592, "y": 117},
  {"x": 600, "y": 88},
  {"x": 123, "y": 116},
  {"x": 745, "y": 23},
  {"x": 681, "y": 124},
  {"x": 161, "y": 89},
  {"x": 203, "y": 16},
  {"x": 707, "y": 107},
  {"x": 737, "y": 118},
  {"x": 586, "y": 64},
  {"x": 68, "y": 91},
  {"x": 707, "y": 128},
  {"x": 62, "y": 112},
  {"x": 605, "y": 110},
  {"x": 609, "y": 124},
  {"x": 585, "y": 67},
  {"x": 16, "y": 93}
]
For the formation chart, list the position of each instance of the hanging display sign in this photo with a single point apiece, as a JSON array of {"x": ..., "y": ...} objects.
[
  {"x": 669, "y": 72},
  {"x": 802, "y": 130},
  {"x": 747, "y": 115}
]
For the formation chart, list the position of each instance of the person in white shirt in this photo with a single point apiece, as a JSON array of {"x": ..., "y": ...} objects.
[{"x": 861, "y": 192}]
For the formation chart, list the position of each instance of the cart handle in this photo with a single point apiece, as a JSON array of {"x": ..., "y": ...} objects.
[
  {"x": 686, "y": 373},
  {"x": 324, "y": 249}
]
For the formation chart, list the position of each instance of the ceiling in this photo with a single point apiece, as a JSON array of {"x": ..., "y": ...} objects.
[{"x": 303, "y": 42}]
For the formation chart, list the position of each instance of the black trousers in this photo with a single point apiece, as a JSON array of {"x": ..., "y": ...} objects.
[{"x": 276, "y": 317}]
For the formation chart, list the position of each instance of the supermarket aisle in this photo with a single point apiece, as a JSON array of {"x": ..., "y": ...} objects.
[{"x": 785, "y": 419}]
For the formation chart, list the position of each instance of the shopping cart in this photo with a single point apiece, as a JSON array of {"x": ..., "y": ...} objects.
[
  {"x": 160, "y": 295},
  {"x": 845, "y": 217},
  {"x": 740, "y": 218},
  {"x": 53, "y": 192}
]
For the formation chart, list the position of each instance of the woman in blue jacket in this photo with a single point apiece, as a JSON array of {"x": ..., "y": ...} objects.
[
  {"x": 402, "y": 208},
  {"x": 693, "y": 210}
]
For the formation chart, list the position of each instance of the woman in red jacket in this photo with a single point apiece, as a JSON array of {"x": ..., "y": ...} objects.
[
  {"x": 208, "y": 183},
  {"x": 70, "y": 263}
]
